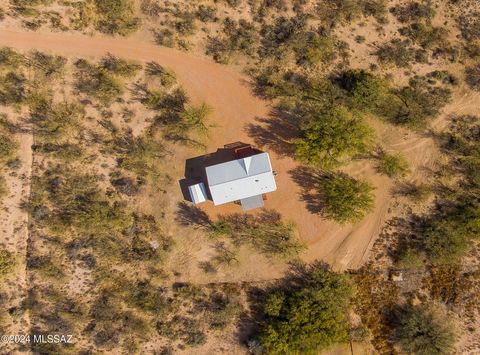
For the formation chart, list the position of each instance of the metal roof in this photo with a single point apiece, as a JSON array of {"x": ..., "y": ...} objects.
[
  {"x": 240, "y": 179},
  {"x": 198, "y": 193}
]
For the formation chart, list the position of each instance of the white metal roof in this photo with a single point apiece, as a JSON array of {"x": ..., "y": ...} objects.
[
  {"x": 198, "y": 193},
  {"x": 240, "y": 179}
]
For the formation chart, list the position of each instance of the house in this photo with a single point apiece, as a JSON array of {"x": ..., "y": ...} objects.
[{"x": 245, "y": 178}]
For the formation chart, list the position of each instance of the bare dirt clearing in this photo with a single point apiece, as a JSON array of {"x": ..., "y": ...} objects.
[{"x": 235, "y": 108}]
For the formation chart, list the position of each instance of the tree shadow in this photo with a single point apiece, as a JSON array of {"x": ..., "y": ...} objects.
[
  {"x": 309, "y": 182},
  {"x": 189, "y": 215},
  {"x": 276, "y": 132}
]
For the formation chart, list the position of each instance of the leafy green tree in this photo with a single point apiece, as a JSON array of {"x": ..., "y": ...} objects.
[
  {"x": 309, "y": 318},
  {"x": 332, "y": 137},
  {"x": 448, "y": 236},
  {"x": 345, "y": 199},
  {"x": 363, "y": 88},
  {"x": 425, "y": 330}
]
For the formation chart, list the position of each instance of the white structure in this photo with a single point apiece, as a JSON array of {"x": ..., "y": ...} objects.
[
  {"x": 198, "y": 193},
  {"x": 245, "y": 180}
]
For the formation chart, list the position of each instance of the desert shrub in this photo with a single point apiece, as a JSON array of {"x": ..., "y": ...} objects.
[
  {"x": 397, "y": 52},
  {"x": 45, "y": 266},
  {"x": 185, "y": 23},
  {"x": 425, "y": 329},
  {"x": 50, "y": 65},
  {"x": 345, "y": 199},
  {"x": 207, "y": 13},
  {"x": 416, "y": 192},
  {"x": 376, "y": 9},
  {"x": 470, "y": 25},
  {"x": 8, "y": 148},
  {"x": 11, "y": 59},
  {"x": 239, "y": 37},
  {"x": 182, "y": 328},
  {"x": 279, "y": 36},
  {"x": 332, "y": 137},
  {"x": 425, "y": 35},
  {"x": 13, "y": 90},
  {"x": 313, "y": 48},
  {"x": 7, "y": 262},
  {"x": 148, "y": 298},
  {"x": 413, "y": 11},
  {"x": 76, "y": 203},
  {"x": 334, "y": 12},
  {"x": 57, "y": 122},
  {"x": 309, "y": 317},
  {"x": 151, "y": 8},
  {"x": 266, "y": 233},
  {"x": 472, "y": 77},
  {"x": 414, "y": 105},
  {"x": 116, "y": 17},
  {"x": 119, "y": 66},
  {"x": 139, "y": 154},
  {"x": 97, "y": 82},
  {"x": 392, "y": 165},
  {"x": 2, "y": 14},
  {"x": 164, "y": 37},
  {"x": 410, "y": 259},
  {"x": 444, "y": 76},
  {"x": 167, "y": 77},
  {"x": 461, "y": 140}
]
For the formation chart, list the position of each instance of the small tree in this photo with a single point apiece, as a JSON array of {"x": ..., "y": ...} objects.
[
  {"x": 345, "y": 199},
  {"x": 332, "y": 137},
  {"x": 309, "y": 318},
  {"x": 426, "y": 330}
]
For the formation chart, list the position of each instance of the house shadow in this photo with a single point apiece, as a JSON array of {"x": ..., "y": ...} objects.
[{"x": 195, "y": 167}]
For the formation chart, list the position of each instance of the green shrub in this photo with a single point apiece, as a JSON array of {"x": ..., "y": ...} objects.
[
  {"x": 309, "y": 318},
  {"x": 97, "y": 82},
  {"x": 11, "y": 59},
  {"x": 116, "y": 17},
  {"x": 344, "y": 198},
  {"x": 396, "y": 52},
  {"x": 77, "y": 203},
  {"x": 8, "y": 148},
  {"x": 13, "y": 89},
  {"x": 332, "y": 137},
  {"x": 363, "y": 88},
  {"x": 50, "y": 65},
  {"x": 425, "y": 329},
  {"x": 119, "y": 66},
  {"x": 7, "y": 262},
  {"x": 410, "y": 259},
  {"x": 426, "y": 36},
  {"x": 392, "y": 165},
  {"x": 57, "y": 123},
  {"x": 414, "y": 105}
]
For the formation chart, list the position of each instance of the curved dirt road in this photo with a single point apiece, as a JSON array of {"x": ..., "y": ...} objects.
[{"x": 235, "y": 107}]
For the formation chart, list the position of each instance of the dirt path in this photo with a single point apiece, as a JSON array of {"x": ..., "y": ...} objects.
[
  {"x": 14, "y": 230},
  {"x": 235, "y": 108}
]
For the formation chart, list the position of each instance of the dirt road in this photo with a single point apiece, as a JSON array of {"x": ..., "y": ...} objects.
[{"x": 235, "y": 108}]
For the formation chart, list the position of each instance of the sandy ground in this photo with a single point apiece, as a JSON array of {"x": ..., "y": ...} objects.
[{"x": 235, "y": 108}]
